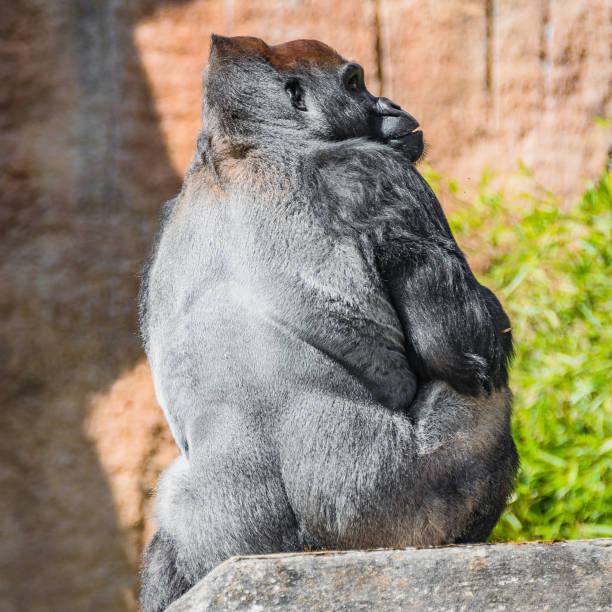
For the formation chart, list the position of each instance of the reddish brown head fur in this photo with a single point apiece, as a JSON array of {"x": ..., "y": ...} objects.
[{"x": 286, "y": 56}]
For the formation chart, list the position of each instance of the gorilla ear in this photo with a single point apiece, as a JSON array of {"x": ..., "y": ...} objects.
[{"x": 296, "y": 94}]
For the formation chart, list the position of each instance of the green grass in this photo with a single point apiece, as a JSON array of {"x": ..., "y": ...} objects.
[{"x": 552, "y": 272}]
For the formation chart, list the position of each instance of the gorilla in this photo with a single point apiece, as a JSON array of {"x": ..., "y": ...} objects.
[{"x": 331, "y": 371}]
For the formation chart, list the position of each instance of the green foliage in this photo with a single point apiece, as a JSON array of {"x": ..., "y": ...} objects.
[{"x": 551, "y": 269}]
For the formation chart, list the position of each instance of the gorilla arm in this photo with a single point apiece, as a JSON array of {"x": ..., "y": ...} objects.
[
  {"x": 455, "y": 329},
  {"x": 358, "y": 474}
]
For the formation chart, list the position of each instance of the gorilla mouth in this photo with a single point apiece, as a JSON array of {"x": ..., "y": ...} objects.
[
  {"x": 407, "y": 134},
  {"x": 411, "y": 144},
  {"x": 400, "y": 131}
]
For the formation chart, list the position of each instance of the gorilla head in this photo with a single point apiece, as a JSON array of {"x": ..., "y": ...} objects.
[{"x": 296, "y": 91}]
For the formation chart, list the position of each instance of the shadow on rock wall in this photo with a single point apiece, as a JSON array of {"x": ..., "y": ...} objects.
[{"x": 84, "y": 173}]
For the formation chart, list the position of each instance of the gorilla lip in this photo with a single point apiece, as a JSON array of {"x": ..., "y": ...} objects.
[
  {"x": 412, "y": 133},
  {"x": 397, "y": 126},
  {"x": 406, "y": 136}
]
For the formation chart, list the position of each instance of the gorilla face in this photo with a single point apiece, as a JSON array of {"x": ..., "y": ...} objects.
[
  {"x": 340, "y": 106},
  {"x": 300, "y": 90},
  {"x": 386, "y": 121}
]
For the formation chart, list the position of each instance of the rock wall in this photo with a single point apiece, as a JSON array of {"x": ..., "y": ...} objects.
[{"x": 99, "y": 111}]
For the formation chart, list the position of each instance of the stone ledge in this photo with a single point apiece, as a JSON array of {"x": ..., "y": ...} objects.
[{"x": 560, "y": 576}]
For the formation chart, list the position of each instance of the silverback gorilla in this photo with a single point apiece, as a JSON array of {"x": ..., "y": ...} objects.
[{"x": 331, "y": 370}]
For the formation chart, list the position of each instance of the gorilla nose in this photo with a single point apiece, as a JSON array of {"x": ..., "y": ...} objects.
[
  {"x": 391, "y": 121},
  {"x": 394, "y": 120},
  {"x": 384, "y": 106}
]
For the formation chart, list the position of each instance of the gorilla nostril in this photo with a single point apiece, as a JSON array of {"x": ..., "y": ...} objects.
[{"x": 384, "y": 106}]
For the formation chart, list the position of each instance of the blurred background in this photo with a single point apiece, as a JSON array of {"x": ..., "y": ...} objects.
[{"x": 99, "y": 111}]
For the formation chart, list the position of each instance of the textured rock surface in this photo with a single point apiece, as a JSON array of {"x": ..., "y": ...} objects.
[
  {"x": 99, "y": 109},
  {"x": 535, "y": 576}
]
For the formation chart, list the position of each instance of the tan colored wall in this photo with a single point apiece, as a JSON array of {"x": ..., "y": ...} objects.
[
  {"x": 99, "y": 110},
  {"x": 490, "y": 81}
]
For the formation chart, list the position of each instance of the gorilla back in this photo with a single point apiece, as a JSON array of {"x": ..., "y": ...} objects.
[{"x": 330, "y": 369}]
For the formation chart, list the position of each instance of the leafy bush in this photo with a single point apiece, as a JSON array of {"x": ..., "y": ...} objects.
[{"x": 551, "y": 270}]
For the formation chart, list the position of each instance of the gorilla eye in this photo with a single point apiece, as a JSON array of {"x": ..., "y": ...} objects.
[
  {"x": 296, "y": 94},
  {"x": 353, "y": 82},
  {"x": 353, "y": 79}
]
